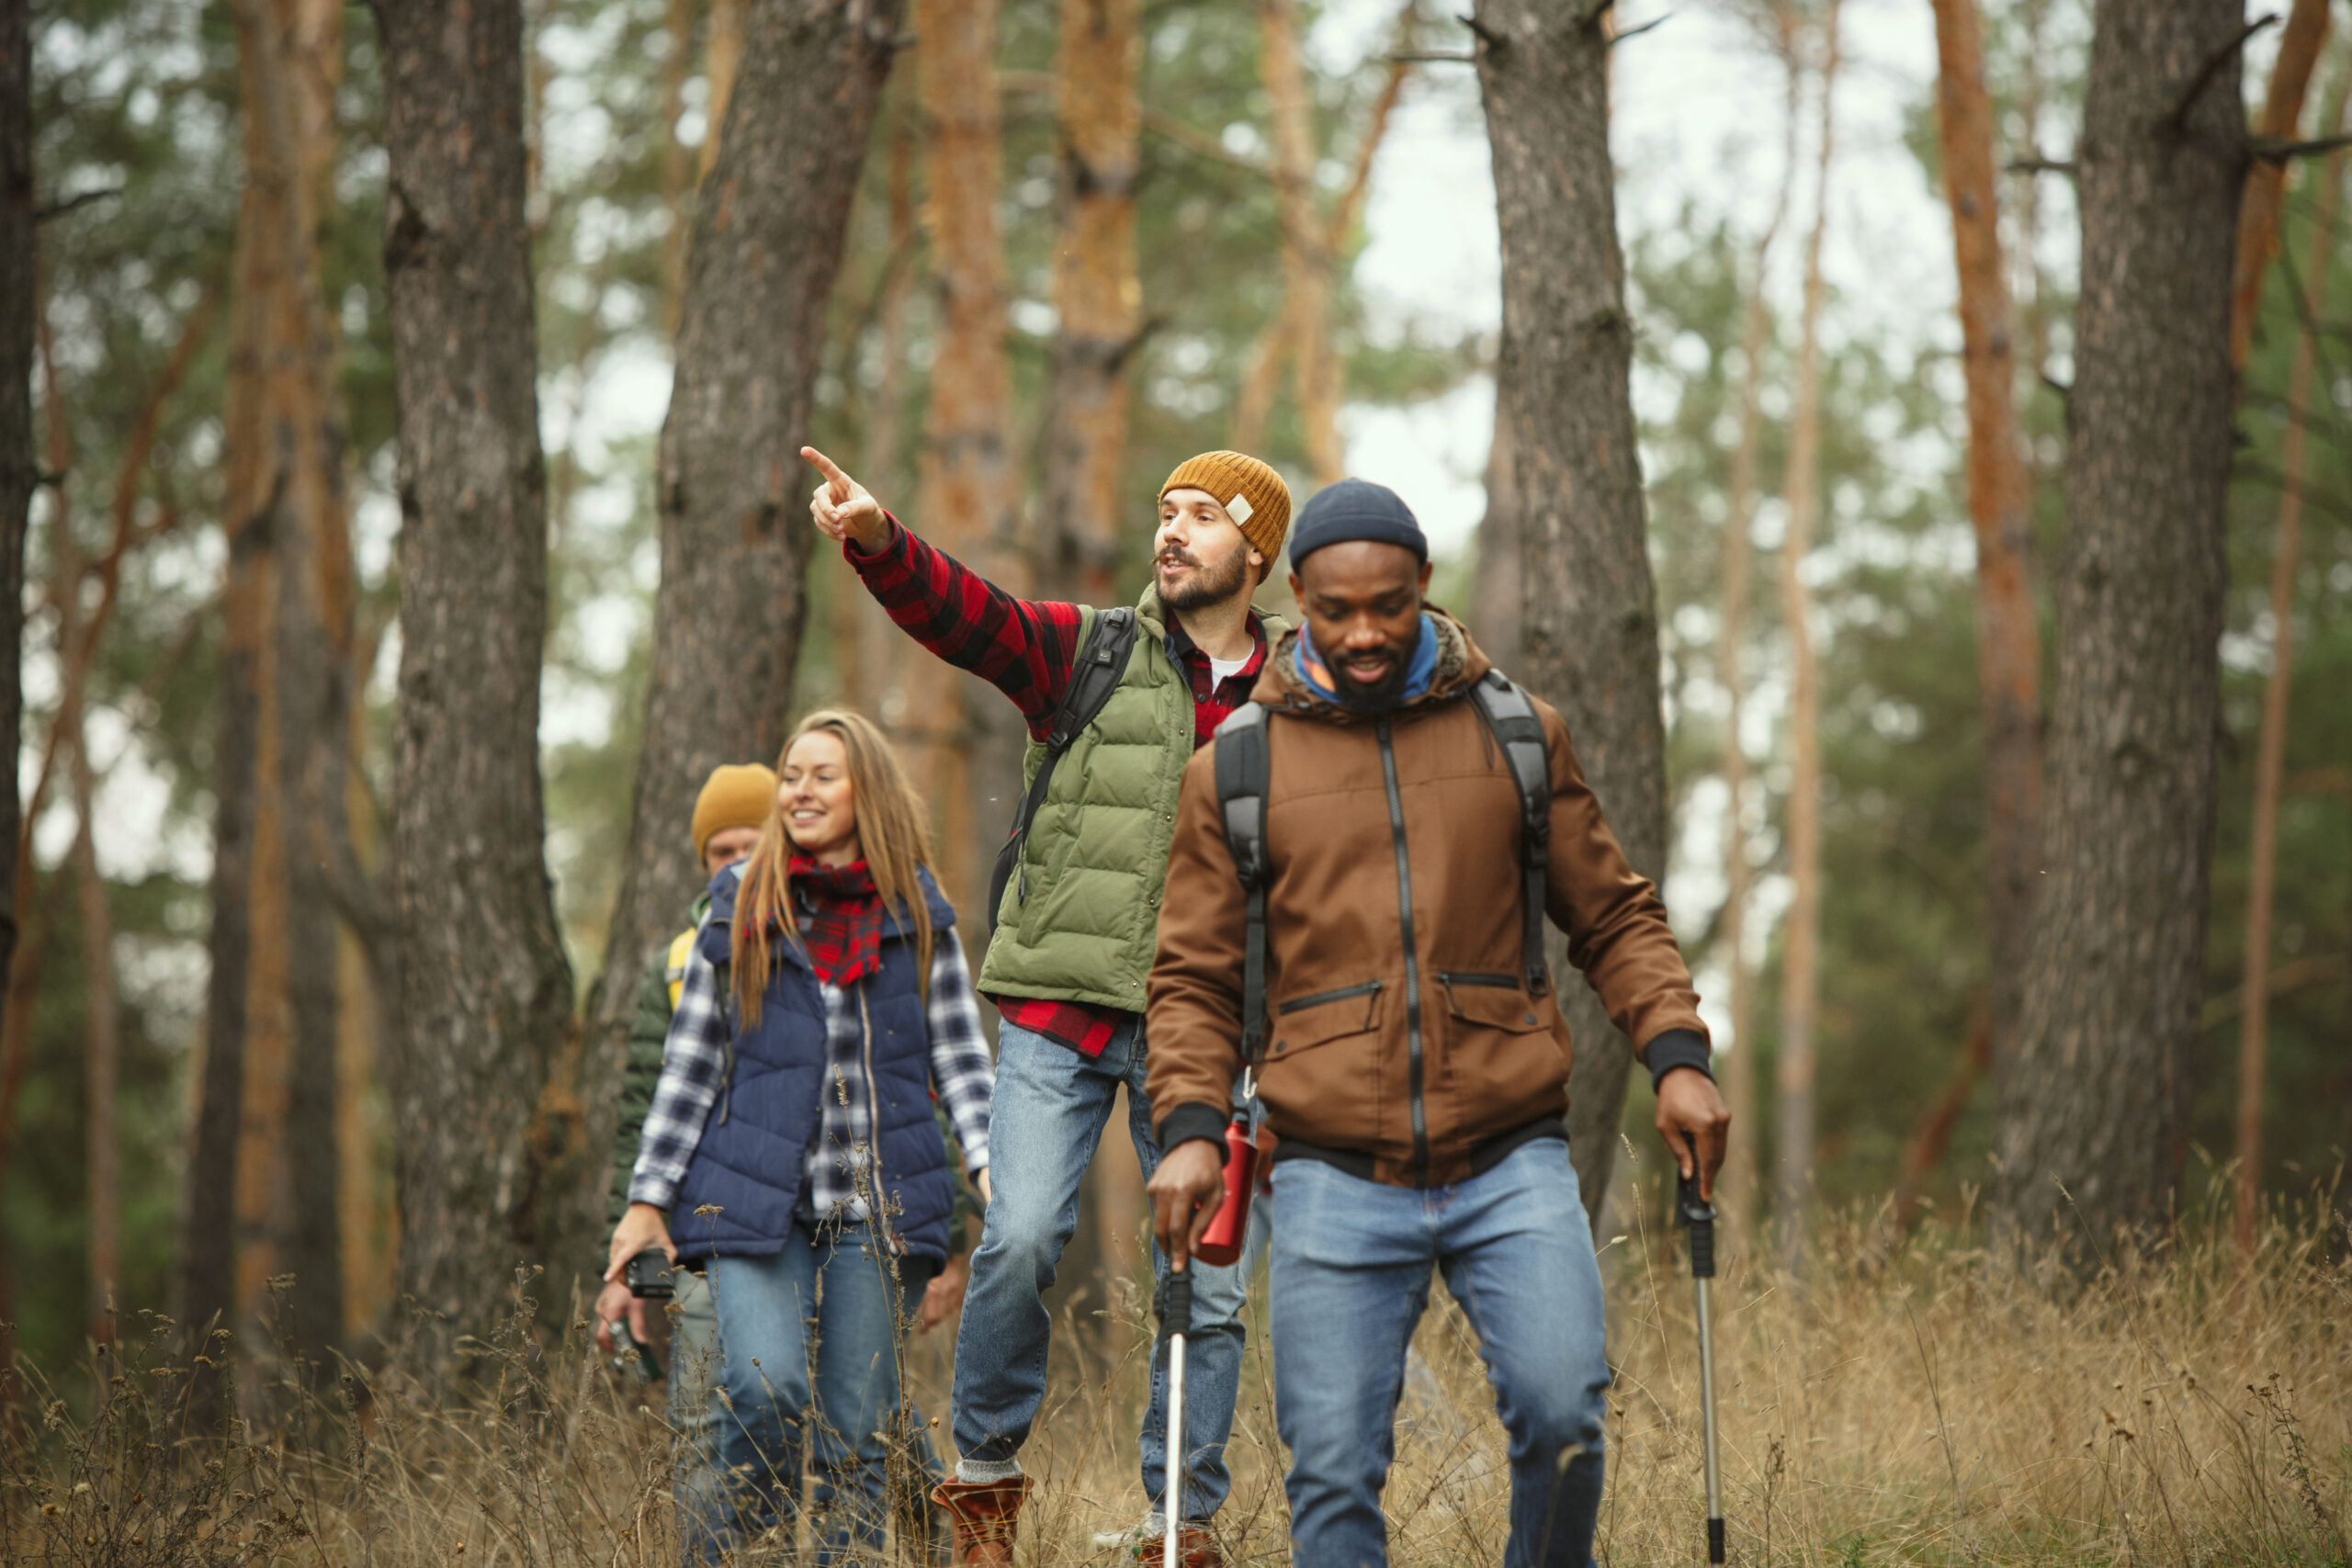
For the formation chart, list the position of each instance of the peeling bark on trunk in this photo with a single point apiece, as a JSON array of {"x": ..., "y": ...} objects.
[
  {"x": 970, "y": 753},
  {"x": 728, "y": 616},
  {"x": 2270, "y": 758},
  {"x": 2094, "y": 1103},
  {"x": 2000, "y": 505},
  {"x": 1792, "y": 1122},
  {"x": 1097, "y": 297},
  {"x": 1589, "y": 607},
  {"x": 485, "y": 992},
  {"x": 2266, "y": 181}
]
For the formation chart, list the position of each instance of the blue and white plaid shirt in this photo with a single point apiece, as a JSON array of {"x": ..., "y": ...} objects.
[{"x": 694, "y": 1066}]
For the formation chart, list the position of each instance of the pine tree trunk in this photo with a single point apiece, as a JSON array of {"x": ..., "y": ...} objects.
[
  {"x": 2266, "y": 180},
  {"x": 485, "y": 992},
  {"x": 971, "y": 757},
  {"x": 1792, "y": 1121},
  {"x": 1589, "y": 626},
  {"x": 2093, "y": 1109},
  {"x": 728, "y": 616},
  {"x": 17, "y": 470},
  {"x": 2270, "y": 757},
  {"x": 1098, "y": 299},
  {"x": 1494, "y": 591},
  {"x": 1737, "y": 1184},
  {"x": 2008, "y": 634}
]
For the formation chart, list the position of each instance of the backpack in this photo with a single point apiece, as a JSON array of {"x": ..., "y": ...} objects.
[
  {"x": 1242, "y": 768},
  {"x": 1102, "y": 663}
]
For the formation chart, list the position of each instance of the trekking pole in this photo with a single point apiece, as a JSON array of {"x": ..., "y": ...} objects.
[
  {"x": 1697, "y": 1215},
  {"x": 1176, "y": 1326}
]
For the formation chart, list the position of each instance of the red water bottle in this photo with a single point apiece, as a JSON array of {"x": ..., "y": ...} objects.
[{"x": 1221, "y": 1244}]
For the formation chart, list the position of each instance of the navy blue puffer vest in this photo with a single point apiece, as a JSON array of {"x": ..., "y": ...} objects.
[{"x": 752, "y": 1158}]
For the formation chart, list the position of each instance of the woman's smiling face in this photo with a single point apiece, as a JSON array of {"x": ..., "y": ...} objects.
[{"x": 819, "y": 803}]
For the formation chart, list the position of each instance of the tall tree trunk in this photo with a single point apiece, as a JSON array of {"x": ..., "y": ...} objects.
[
  {"x": 18, "y": 473},
  {"x": 677, "y": 162},
  {"x": 1097, "y": 297},
  {"x": 2270, "y": 759},
  {"x": 2000, "y": 505},
  {"x": 1792, "y": 1121},
  {"x": 879, "y": 660},
  {"x": 1306, "y": 283},
  {"x": 732, "y": 604},
  {"x": 2095, "y": 1101},
  {"x": 1494, "y": 590},
  {"x": 485, "y": 992},
  {"x": 2033, "y": 311},
  {"x": 722, "y": 58},
  {"x": 2266, "y": 180},
  {"x": 286, "y": 696},
  {"x": 1589, "y": 608},
  {"x": 968, "y": 505},
  {"x": 1738, "y": 1183}
]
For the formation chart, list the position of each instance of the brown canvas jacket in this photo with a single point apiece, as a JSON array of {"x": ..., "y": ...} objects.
[{"x": 1426, "y": 1065}]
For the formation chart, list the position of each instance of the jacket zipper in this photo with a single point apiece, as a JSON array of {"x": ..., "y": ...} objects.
[
  {"x": 1501, "y": 982},
  {"x": 1412, "y": 959},
  {"x": 1368, "y": 989}
]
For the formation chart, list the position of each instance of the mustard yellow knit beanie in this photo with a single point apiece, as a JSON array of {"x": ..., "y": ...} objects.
[
  {"x": 1253, "y": 494},
  {"x": 734, "y": 796}
]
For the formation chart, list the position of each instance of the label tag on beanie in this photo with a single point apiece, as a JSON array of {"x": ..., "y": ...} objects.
[{"x": 1239, "y": 509}]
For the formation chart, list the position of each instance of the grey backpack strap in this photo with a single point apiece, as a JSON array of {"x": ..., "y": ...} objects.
[
  {"x": 1512, "y": 716},
  {"x": 1242, "y": 764},
  {"x": 1100, "y": 664}
]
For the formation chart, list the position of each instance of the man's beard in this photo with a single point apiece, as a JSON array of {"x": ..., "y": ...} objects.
[
  {"x": 1209, "y": 586},
  {"x": 1375, "y": 698}
]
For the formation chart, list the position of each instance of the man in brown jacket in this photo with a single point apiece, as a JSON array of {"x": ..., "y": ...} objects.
[{"x": 1413, "y": 1071}]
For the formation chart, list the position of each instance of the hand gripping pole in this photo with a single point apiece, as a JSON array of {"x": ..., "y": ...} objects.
[
  {"x": 1175, "y": 1326},
  {"x": 1698, "y": 1217}
]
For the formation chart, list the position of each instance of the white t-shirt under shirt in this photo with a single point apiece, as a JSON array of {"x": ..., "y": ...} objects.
[{"x": 1224, "y": 669}]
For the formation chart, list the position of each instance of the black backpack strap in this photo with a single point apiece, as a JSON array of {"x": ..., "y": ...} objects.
[
  {"x": 1241, "y": 769},
  {"x": 1510, "y": 715},
  {"x": 1102, "y": 663}
]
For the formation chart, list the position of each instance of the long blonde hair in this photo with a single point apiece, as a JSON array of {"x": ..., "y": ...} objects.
[{"x": 892, "y": 833}]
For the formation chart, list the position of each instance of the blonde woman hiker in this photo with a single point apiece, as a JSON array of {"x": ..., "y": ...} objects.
[
  {"x": 792, "y": 1139},
  {"x": 1074, "y": 932}
]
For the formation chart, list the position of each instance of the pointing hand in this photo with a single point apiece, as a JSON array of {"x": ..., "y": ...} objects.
[{"x": 845, "y": 514}]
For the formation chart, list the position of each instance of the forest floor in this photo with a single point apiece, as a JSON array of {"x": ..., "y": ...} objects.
[{"x": 1915, "y": 1401}]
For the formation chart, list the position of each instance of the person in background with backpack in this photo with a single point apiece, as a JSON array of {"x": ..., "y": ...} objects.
[
  {"x": 1416, "y": 817},
  {"x": 792, "y": 1134},
  {"x": 1116, "y": 701}
]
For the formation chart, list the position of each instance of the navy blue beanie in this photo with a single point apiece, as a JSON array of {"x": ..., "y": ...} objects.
[{"x": 1355, "y": 509}]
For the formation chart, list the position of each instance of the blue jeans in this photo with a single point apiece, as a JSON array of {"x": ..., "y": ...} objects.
[
  {"x": 1050, "y": 1108},
  {"x": 809, "y": 1347},
  {"x": 1350, "y": 1274}
]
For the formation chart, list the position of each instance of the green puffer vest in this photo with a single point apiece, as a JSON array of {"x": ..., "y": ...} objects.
[{"x": 1097, "y": 854}]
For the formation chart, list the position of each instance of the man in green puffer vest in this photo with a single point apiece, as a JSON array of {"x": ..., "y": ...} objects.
[{"x": 1075, "y": 933}]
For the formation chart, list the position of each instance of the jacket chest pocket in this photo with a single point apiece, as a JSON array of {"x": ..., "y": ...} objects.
[
  {"x": 1324, "y": 1069},
  {"x": 1496, "y": 1033}
]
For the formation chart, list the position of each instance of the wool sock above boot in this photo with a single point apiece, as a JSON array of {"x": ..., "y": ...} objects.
[{"x": 979, "y": 1472}]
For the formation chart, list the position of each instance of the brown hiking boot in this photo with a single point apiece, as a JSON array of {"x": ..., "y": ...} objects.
[
  {"x": 985, "y": 1515},
  {"x": 1196, "y": 1548}
]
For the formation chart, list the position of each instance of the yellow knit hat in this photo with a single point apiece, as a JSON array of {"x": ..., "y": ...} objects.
[
  {"x": 734, "y": 796},
  {"x": 1253, "y": 494}
]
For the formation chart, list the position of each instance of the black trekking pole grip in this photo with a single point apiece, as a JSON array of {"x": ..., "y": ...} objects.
[
  {"x": 1698, "y": 1216},
  {"x": 1176, "y": 1304}
]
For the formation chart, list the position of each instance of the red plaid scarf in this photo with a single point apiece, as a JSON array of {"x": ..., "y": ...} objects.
[{"x": 840, "y": 917}]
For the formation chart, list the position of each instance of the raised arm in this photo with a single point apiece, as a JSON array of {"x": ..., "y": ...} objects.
[{"x": 1025, "y": 648}]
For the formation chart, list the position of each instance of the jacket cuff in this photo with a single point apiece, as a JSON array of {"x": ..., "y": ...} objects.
[
  {"x": 1187, "y": 1122},
  {"x": 1676, "y": 1048}
]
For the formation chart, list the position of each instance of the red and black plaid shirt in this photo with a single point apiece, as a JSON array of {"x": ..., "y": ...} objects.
[{"x": 1025, "y": 649}]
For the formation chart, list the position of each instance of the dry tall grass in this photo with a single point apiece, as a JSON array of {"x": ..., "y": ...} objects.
[{"x": 1933, "y": 1406}]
